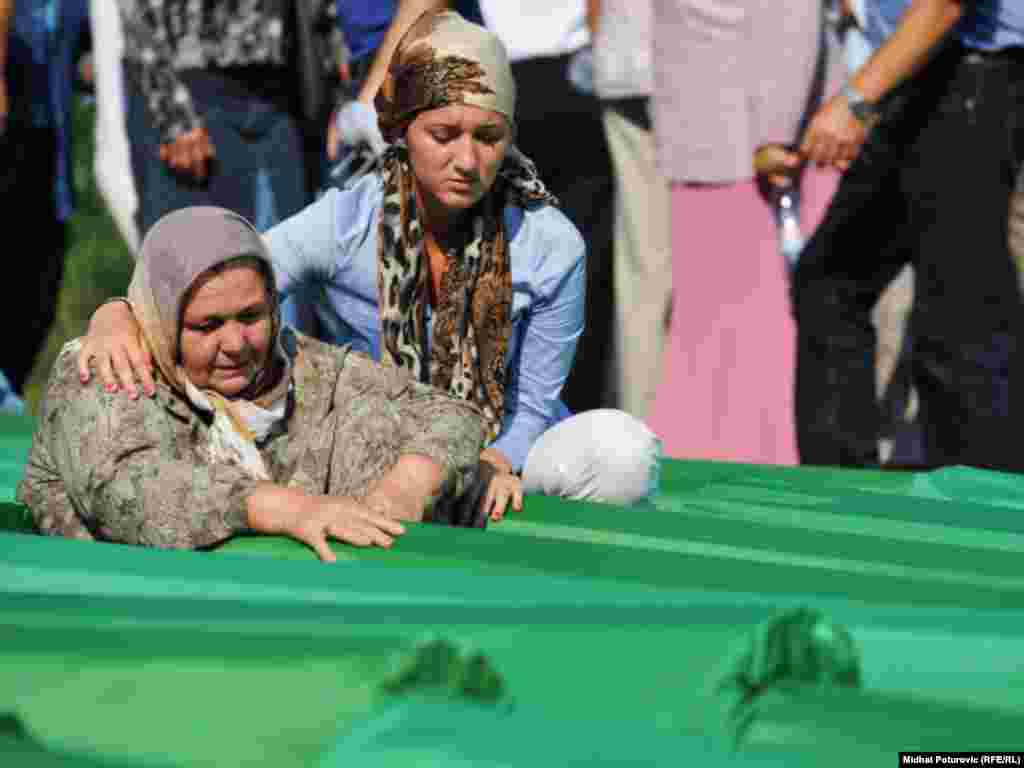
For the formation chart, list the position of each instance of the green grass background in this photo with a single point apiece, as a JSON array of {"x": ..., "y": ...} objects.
[{"x": 98, "y": 263}]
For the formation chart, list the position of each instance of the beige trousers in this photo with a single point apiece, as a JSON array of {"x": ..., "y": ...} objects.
[
  {"x": 1016, "y": 233},
  {"x": 642, "y": 262},
  {"x": 890, "y": 318}
]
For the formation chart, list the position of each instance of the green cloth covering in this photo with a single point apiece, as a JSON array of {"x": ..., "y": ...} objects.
[
  {"x": 599, "y": 626},
  {"x": 20, "y": 748},
  {"x": 459, "y": 735},
  {"x": 976, "y": 485}
]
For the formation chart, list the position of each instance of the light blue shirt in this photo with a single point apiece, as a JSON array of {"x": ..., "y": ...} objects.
[
  {"x": 993, "y": 24},
  {"x": 328, "y": 254},
  {"x": 987, "y": 24}
]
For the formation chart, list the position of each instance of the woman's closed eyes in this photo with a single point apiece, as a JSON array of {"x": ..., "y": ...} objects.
[
  {"x": 249, "y": 316},
  {"x": 490, "y": 135}
]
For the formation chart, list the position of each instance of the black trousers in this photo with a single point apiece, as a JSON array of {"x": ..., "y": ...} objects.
[
  {"x": 560, "y": 129},
  {"x": 37, "y": 242},
  {"x": 932, "y": 188}
]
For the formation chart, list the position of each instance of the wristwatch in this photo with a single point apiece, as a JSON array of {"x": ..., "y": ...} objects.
[{"x": 865, "y": 111}]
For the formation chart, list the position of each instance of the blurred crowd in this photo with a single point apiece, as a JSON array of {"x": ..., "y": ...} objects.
[{"x": 804, "y": 221}]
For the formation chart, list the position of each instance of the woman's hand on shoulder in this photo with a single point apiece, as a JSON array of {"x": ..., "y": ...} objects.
[
  {"x": 315, "y": 519},
  {"x": 114, "y": 342}
]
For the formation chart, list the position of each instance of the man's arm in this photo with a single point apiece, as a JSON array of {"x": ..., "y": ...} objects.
[
  {"x": 6, "y": 12},
  {"x": 356, "y": 121},
  {"x": 593, "y": 16},
  {"x": 923, "y": 26},
  {"x": 835, "y": 136},
  {"x": 408, "y": 11}
]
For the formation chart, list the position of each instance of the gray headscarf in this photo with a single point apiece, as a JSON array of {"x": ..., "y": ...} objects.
[{"x": 179, "y": 248}]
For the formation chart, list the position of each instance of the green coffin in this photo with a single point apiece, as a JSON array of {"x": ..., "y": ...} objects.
[{"x": 610, "y": 629}]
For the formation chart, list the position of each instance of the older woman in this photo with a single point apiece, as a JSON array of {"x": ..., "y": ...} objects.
[
  {"x": 252, "y": 427},
  {"x": 454, "y": 263}
]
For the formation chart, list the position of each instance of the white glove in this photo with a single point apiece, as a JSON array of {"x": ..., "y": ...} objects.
[{"x": 357, "y": 125}]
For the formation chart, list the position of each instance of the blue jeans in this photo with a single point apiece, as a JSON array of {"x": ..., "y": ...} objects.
[{"x": 258, "y": 171}]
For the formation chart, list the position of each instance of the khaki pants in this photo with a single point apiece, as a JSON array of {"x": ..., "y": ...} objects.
[
  {"x": 1016, "y": 233},
  {"x": 642, "y": 260},
  {"x": 890, "y": 319}
]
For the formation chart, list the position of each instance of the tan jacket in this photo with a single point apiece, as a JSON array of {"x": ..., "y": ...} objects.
[{"x": 103, "y": 466}]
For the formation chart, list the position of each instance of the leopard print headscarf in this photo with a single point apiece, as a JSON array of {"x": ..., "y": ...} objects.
[{"x": 444, "y": 60}]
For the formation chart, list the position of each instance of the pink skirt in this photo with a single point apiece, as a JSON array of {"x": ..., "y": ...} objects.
[{"x": 726, "y": 391}]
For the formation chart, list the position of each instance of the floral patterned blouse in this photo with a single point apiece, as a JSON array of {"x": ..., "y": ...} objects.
[
  {"x": 164, "y": 37},
  {"x": 104, "y": 466}
]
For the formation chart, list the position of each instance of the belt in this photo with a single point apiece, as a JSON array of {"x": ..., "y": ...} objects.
[{"x": 1010, "y": 56}]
